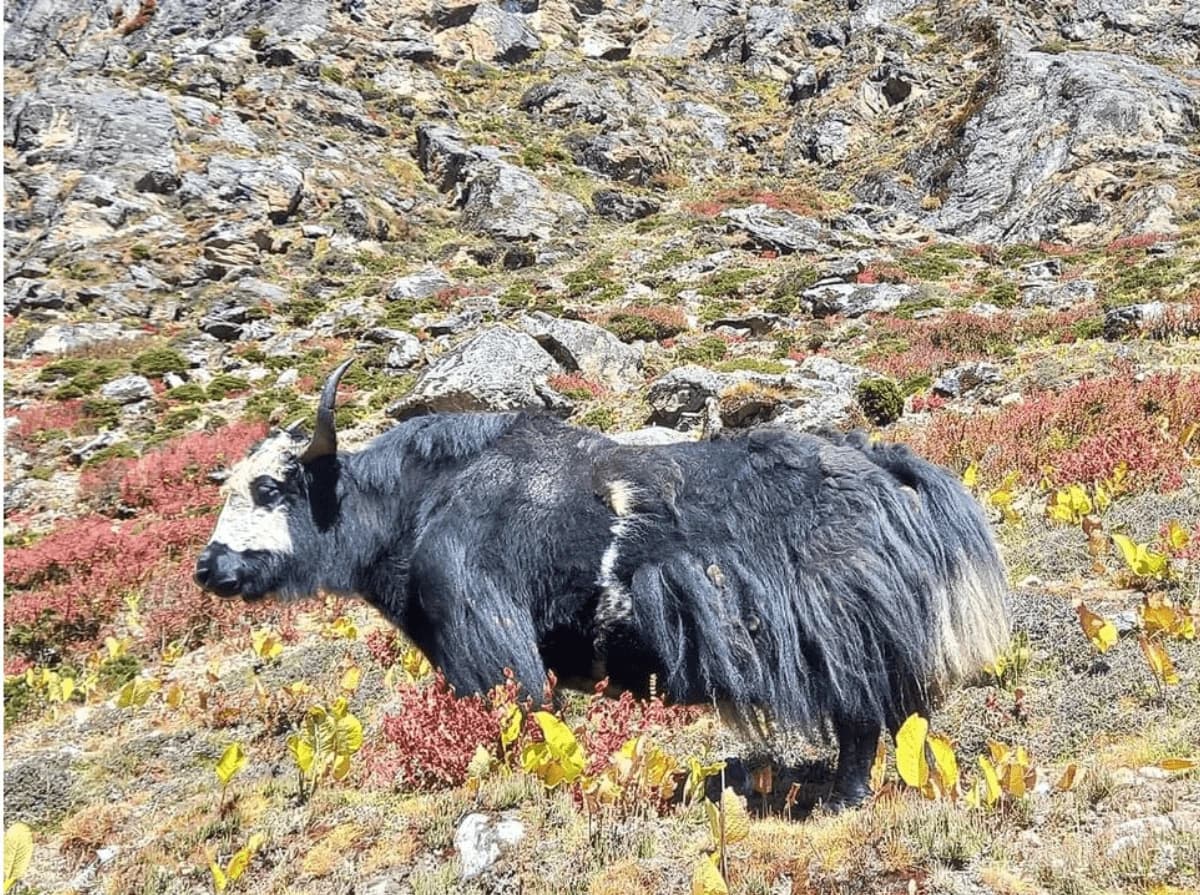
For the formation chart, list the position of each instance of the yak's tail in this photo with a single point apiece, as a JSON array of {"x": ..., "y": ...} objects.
[{"x": 973, "y": 625}]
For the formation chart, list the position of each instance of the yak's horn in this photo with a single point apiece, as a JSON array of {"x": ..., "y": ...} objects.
[{"x": 324, "y": 440}]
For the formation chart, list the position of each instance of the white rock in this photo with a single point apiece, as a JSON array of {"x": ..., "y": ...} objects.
[{"x": 480, "y": 840}]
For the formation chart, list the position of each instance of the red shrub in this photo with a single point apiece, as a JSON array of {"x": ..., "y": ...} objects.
[
  {"x": 1077, "y": 435},
  {"x": 66, "y": 587},
  {"x": 1140, "y": 241},
  {"x": 927, "y": 403},
  {"x": 174, "y": 479},
  {"x": 64, "y": 415},
  {"x": 430, "y": 741},
  {"x": 610, "y": 723},
  {"x": 882, "y": 273},
  {"x": 576, "y": 385}
]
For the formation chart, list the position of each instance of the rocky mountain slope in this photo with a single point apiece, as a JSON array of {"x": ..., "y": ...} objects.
[{"x": 971, "y": 227}]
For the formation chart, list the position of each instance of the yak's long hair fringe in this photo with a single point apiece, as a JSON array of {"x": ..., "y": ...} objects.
[{"x": 811, "y": 580}]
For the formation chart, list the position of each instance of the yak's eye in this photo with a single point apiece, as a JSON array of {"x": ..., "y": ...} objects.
[{"x": 266, "y": 491}]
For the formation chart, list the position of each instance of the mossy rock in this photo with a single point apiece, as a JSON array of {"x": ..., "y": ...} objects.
[{"x": 880, "y": 399}]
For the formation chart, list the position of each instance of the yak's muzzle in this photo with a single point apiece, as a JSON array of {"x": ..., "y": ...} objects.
[{"x": 219, "y": 570}]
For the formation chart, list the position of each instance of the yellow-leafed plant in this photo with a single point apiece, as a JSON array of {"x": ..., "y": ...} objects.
[
  {"x": 324, "y": 745},
  {"x": 18, "y": 852},
  {"x": 224, "y": 877},
  {"x": 559, "y": 758}
]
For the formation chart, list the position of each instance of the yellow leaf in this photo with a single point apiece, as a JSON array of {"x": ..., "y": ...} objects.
[
  {"x": 1140, "y": 559},
  {"x": 302, "y": 750},
  {"x": 1013, "y": 781},
  {"x": 232, "y": 760},
  {"x": 970, "y": 476},
  {"x": 990, "y": 782},
  {"x": 1067, "y": 780},
  {"x": 564, "y": 748},
  {"x": 175, "y": 696},
  {"x": 136, "y": 691},
  {"x": 510, "y": 725},
  {"x": 737, "y": 820},
  {"x": 238, "y": 864},
  {"x": 706, "y": 878},
  {"x": 350, "y": 735},
  {"x": 116, "y": 648},
  {"x": 910, "y": 751},
  {"x": 1098, "y": 629},
  {"x": 879, "y": 766},
  {"x": 172, "y": 653},
  {"x": 341, "y": 627},
  {"x": 1158, "y": 660},
  {"x": 220, "y": 880},
  {"x": 18, "y": 852},
  {"x": 1158, "y": 616},
  {"x": 351, "y": 679},
  {"x": 415, "y": 665},
  {"x": 297, "y": 688},
  {"x": 266, "y": 644},
  {"x": 1177, "y": 764},
  {"x": 946, "y": 762},
  {"x": 1177, "y": 536}
]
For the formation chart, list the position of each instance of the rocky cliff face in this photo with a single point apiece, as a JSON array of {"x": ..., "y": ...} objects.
[{"x": 256, "y": 183}]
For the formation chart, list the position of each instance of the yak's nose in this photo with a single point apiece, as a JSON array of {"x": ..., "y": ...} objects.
[{"x": 217, "y": 571}]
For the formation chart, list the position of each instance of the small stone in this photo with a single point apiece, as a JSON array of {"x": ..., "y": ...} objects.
[
  {"x": 423, "y": 284},
  {"x": 480, "y": 840},
  {"x": 127, "y": 389}
]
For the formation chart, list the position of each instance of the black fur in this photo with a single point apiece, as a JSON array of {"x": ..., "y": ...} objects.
[{"x": 813, "y": 582}]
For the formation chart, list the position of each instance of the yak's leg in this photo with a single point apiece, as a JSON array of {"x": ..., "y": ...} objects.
[
  {"x": 857, "y": 742},
  {"x": 473, "y": 630}
]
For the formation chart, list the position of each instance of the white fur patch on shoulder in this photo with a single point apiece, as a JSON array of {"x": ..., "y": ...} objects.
[
  {"x": 621, "y": 497},
  {"x": 615, "y": 603}
]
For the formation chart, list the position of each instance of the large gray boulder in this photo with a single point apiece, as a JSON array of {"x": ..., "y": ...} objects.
[
  {"x": 1032, "y": 161},
  {"x": 499, "y": 369},
  {"x": 127, "y": 136},
  {"x": 508, "y": 202},
  {"x": 586, "y": 348}
]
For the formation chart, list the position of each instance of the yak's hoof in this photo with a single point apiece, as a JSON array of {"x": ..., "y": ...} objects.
[{"x": 843, "y": 798}]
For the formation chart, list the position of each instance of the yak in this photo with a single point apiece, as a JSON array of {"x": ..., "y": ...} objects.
[{"x": 822, "y": 584}]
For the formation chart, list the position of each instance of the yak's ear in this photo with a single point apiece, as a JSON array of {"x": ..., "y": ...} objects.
[{"x": 324, "y": 439}]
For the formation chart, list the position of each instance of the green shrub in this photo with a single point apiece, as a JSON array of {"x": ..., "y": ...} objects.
[
  {"x": 880, "y": 399},
  {"x": 189, "y": 392},
  {"x": 754, "y": 365},
  {"x": 602, "y": 418},
  {"x": 223, "y": 384},
  {"x": 1003, "y": 295},
  {"x": 707, "y": 351},
  {"x": 158, "y": 362}
]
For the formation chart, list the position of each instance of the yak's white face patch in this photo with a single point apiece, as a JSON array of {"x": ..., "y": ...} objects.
[{"x": 244, "y": 525}]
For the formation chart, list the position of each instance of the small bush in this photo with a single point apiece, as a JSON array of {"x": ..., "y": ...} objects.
[
  {"x": 707, "y": 351},
  {"x": 603, "y": 419},
  {"x": 880, "y": 399},
  {"x": 158, "y": 362},
  {"x": 652, "y": 323},
  {"x": 189, "y": 393}
]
